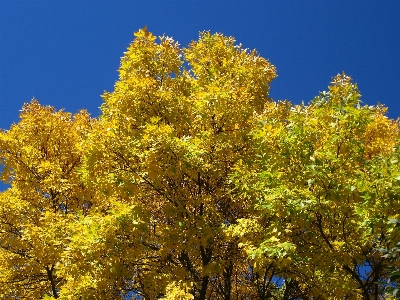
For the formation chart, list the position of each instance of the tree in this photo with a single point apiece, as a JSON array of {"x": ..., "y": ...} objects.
[
  {"x": 326, "y": 182},
  {"x": 391, "y": 284},
  {"x": 194, "y": 184},
  {"x": 40, "y": 157}
]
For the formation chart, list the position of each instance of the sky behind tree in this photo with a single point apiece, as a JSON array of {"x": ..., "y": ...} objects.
[{"x": 66, "y": 53}]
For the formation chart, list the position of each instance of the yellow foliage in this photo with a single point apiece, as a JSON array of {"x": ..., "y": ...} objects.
[
  {"x": 194, "y": 184},
  {"x": 178, "y": 291}
]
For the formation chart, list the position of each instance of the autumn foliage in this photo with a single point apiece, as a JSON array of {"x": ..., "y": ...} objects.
[{"x": 194, "y": 184}]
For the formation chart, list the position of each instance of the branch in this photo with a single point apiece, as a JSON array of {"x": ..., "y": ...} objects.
[
  {"x": 319, "y": 225},
  {"x": 53, "y": 284},
  {"x": 357, "y": 278}
]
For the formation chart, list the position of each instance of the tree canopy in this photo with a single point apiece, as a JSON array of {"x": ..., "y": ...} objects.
[{"x": 194, "y": 184}]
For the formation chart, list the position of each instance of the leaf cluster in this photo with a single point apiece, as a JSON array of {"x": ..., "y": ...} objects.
[{"x": 195, "y": 184}]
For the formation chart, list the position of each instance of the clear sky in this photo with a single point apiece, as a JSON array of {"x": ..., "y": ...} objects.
[{"x": 66, "y": 53}]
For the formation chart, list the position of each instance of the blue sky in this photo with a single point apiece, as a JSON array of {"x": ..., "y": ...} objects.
[{"x": 66, "y": 53}]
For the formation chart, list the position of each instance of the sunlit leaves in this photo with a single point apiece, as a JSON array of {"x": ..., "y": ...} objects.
[
  {"x": 194, "y": 184},
  {"x": 41, "y": 156},
  {"x": 324, "y": 178}
]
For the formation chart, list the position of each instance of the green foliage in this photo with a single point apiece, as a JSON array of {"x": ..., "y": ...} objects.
[{"x": 393, "y": 255}]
